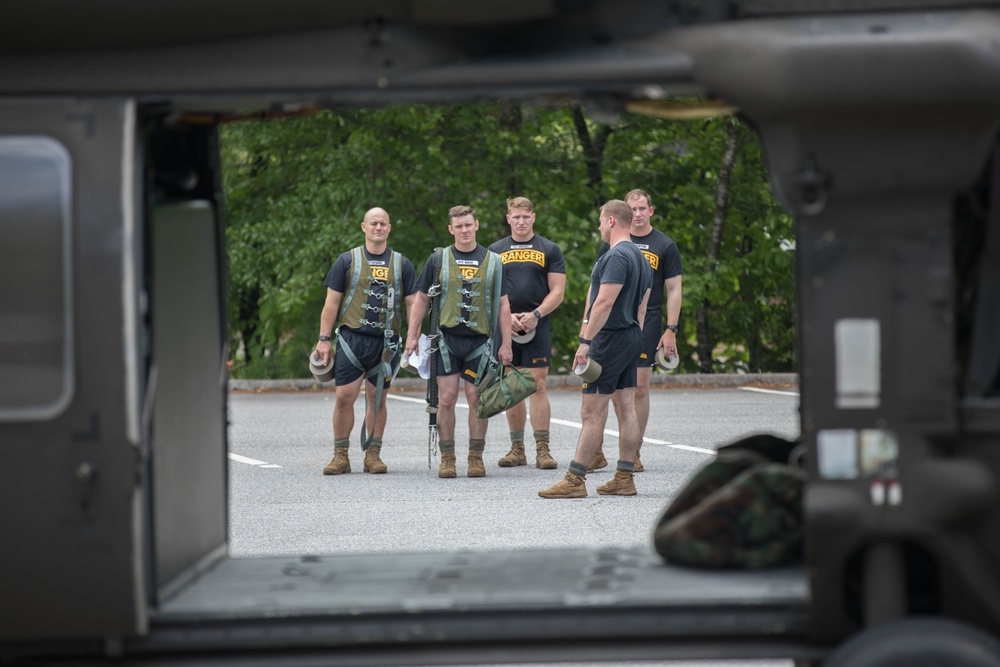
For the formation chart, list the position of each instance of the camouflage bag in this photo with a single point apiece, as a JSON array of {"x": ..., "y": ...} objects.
[
  {"x": 742, "y": 510},
  {"x": 502, "y": 390}
]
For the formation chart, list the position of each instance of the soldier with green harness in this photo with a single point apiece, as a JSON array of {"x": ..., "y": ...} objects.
[
  {"x": 473, "y": 310},
  {"x": 366, "y": 288}
]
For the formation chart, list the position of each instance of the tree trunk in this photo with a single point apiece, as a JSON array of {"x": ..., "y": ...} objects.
[
  {"x": 705, "y": 342},
  {"x": 510, "y": 121},
  {"x": 755, "y": 345},
  {"x": 593, "y": 151}
]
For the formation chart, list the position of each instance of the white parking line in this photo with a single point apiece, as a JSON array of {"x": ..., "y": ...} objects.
[
  {"x": 564, "y": 422},
  {"x": 252, "y": 462},
  {"x": 654, "y": 441},
  {"x": 770, "y": 391},
  {"x": 408, "y": 399},
  {"x": 422, "y": 401}
]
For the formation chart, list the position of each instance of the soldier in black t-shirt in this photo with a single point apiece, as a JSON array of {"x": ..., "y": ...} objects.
[
  {"x": 534, "y": 274},
  {"x": 615, "y": 306},
  {"x": 357, "y": 295},
  {"x": 665, "y": 260}
]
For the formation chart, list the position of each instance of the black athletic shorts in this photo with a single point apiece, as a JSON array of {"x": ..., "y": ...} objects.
[
  {"x": 459, "y": 347},
  {"x": 538, "y": 352},
  {"x": 615, "y": 351},
  {"x": 368, "y": 350},
  {"x": 652, "y": 331}
]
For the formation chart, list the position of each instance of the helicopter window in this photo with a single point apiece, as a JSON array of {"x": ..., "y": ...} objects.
[{"x": 35, "y": 295}]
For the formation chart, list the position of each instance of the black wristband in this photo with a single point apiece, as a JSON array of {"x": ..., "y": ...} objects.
[
  {"x": 585, "y": 341},
  {"x": 536, "y": 313},
  {"x": 672, "y": 327},
  {"x": 324, "y": 338}
]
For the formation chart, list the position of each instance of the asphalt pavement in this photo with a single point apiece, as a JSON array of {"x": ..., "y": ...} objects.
[{"x": 282, "y": 504}]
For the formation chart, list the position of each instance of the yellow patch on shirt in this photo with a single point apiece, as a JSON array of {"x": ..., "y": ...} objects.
[
  {"x": 523, "y": 256},
  {"x": 654, "y": 260}
]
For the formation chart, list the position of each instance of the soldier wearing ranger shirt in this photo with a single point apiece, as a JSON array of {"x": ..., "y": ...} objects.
[
  {"x": 665, "y": 260},
  {"x": 365, "y": 288},
  {"x": 535, "y": 277},
  {"x": 474, "y": 312}
]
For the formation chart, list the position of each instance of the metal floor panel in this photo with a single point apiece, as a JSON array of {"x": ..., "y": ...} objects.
[
  {"x": 566, "y": 596},
  {"x": 523, "y": 580}
]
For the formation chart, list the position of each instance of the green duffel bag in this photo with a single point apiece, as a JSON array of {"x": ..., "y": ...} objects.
[{"x": 503, "y": 390}]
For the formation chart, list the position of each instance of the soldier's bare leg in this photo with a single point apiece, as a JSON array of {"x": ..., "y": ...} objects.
[
  {"x": 447, "y": 399},
  {"x": 343, "y": 409}
]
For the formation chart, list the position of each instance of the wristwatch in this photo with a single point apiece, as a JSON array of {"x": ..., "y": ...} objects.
[
  {"x": 536, "y": 313},
  {"x": 325, "y": 338},
  {"x": 585, "y": 341},
  {"x": 672, "y": 327}
]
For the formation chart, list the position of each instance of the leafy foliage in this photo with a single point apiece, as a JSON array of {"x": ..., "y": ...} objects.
[{"x": 297, "y": 189}]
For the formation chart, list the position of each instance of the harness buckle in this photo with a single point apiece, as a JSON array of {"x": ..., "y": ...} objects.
[{"x": 381, "y": 296}]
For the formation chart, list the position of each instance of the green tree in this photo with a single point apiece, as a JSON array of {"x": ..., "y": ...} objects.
[{"x": 297, "y": 189}]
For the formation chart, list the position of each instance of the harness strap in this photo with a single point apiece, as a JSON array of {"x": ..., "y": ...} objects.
[
  {"x": 482, "y": 351},
  {"x": 494, "y": 290},
  {"x": 445, "y": 288},
  {"x": 355, "y": 276},
  {"x": 381, "y": 370},
  {"x": 397, "y": 274},
  {"x": 384, "y": 368}
]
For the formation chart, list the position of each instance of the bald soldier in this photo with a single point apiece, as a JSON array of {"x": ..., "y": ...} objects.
[{"x": 365, "y": 289}]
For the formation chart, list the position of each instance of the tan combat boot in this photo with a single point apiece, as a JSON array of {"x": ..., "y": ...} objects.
[
  {"x": 373, "y": 463},
  {"x": 339, "y": 464},
  {"x": 598, "y": 461},
  {"x": 571, "y": 486},
  {"x": 543, "y": 459},
  {"x": 476, "y": 466},
  {"x": 620, "y": 485},
  {"x": 638, "y": 464},
  {"x": 515, "y": 457},
  {"x": 447, "y": 467}
]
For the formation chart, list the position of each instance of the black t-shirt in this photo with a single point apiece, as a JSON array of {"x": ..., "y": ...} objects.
[
  {"x": 339, "y": 280},
  {"x": 526, "y": 269},
  {"x": 622, "y": 265},
  {"x": 469, "y": 263},
  {"x": 664, "y": 258}
]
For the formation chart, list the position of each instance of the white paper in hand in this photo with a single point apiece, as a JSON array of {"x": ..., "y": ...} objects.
[{"x": 420, "y": 360}]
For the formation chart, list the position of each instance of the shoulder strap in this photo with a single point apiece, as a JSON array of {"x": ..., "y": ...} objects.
[
  {"x": 355, "y": 276},
  {"x": 493, "y": 286},
  {"x": 442, "y": 270},
  {"x": 397, "y": 272}
]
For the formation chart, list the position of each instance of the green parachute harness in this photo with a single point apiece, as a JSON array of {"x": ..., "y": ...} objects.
[{"x": 355, "y": 313}]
